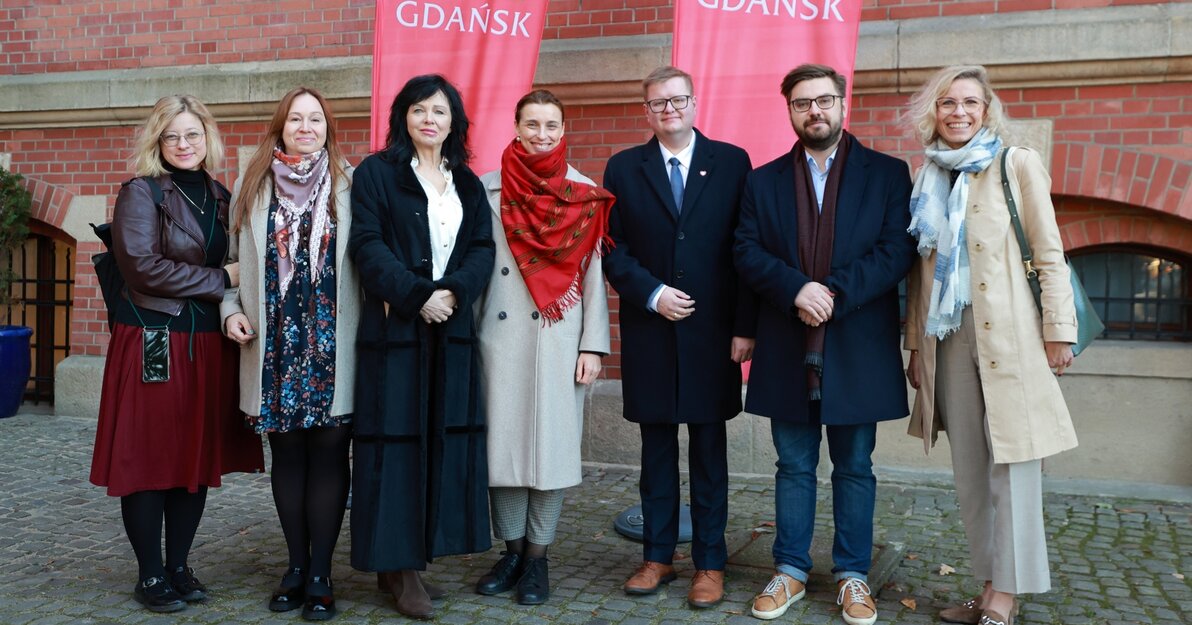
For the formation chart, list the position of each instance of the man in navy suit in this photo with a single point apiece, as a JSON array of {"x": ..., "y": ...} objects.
[
  {"x": 823, "y": 242},
  {"x": 686, "y": 324}
]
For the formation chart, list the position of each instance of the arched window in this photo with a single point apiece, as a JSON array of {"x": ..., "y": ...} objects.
[{"x": 1139, "y": 293}]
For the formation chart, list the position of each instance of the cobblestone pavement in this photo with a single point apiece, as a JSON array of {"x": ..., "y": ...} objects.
[{"x": 64, "y": 558}]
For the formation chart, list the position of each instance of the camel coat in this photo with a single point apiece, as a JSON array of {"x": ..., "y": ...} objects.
[
  {"x": 1024, "y": 409},
  {"x": 248, "y": 247},
  {"x": 535, "y": 407}
]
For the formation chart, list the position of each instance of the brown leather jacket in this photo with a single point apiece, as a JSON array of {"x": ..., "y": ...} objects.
[{"x": 160, "y": 251}]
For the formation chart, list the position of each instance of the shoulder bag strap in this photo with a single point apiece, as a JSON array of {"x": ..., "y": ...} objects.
[{"x": 1028, "y": 258}]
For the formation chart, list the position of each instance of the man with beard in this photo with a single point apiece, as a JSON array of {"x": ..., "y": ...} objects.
[{"x": 822, "y": 240}]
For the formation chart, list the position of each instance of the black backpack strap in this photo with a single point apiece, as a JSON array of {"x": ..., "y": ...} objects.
[{"x": 154, "y": 189}]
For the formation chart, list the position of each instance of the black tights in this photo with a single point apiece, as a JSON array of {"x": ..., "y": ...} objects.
[
  {"x": 143, "y": 513},
  {"x": 310, "y": 487}
]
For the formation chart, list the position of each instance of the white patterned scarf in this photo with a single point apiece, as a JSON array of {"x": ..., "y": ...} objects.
[
  {"x": 301, "y": 184},
  {"x": 937, "y": 221}
]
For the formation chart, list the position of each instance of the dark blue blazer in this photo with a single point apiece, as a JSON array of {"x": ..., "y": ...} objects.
[
  {"x": 871, "y": 253},
  {"x": 678, "y": 372}
]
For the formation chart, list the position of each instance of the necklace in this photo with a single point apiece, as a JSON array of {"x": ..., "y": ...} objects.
[{"x": 198, "y": 207}]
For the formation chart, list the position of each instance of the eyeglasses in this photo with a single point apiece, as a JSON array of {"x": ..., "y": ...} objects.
[
  {"x": 193, "y": 137},
  {"x": 947, "y": 106},
  {"x": 679, "y": 102},
  {"x": 824, "y": 102}
]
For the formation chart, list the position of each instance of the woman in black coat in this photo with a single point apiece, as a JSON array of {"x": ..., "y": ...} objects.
[{"x": 422, "y": 242}]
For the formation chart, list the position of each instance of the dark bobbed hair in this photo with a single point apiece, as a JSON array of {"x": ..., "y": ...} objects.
[
  {"x": 538, "y": 96},
  {"x": 400, "y": 147}
]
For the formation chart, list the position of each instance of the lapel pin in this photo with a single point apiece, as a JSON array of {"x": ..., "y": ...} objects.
[{"x": 703, "y": 172}]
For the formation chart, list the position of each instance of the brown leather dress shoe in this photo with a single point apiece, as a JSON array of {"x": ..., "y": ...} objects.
[
  {"x": 648, "y": 577},
  {"x": 707, "y": 588}
]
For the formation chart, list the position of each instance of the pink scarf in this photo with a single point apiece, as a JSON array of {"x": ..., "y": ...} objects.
[{"x": 300, "y": 183}]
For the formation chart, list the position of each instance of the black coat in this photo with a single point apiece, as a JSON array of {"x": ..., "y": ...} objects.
[
  {"x": 420, "y": 485},
  {"x": 678, "y": 372},
  {"x": 871, "y": 253}
]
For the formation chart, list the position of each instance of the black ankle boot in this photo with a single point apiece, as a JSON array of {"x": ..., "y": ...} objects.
[
  {"x": 503, "y": 576},
  {"x": 187, "y": 585},
  {"x": 534, "y": 586},
  {"x": 290, "y": 593},
  {"x": 320, "y": 602}
]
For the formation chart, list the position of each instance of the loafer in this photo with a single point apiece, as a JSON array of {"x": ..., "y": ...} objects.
[
  {"x": 648, "y": 577},
  {"x": 290, "y": 593},
  {"x": 320, "y": 601},
  {"x": 855, "y": 601},
  {"x": 707, "y": 588},
  {"x": 184, "y": 582},
  {"x": 990, "y": 617},
  {"x": 157, "y": 595},
  {"x": 502, "y": 576},
  {"x": 968, "y": 612},
  {"x": 779, "y": 594},
  {"x": 534, "y": 586}
]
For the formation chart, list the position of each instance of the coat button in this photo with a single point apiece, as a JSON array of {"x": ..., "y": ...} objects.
[
  {"x": 679, "y": 273},
  {"x": 993, "y": 365},
  {"x": 978, "y": 247},
  {"x": 504, "y": 271},
  {"x": 501, "y": 315},
  {"x": 982, "y": 286},
  {"x": 534, "y": 315},
  {"x": 988, "y": 325},
  {"x": 682, "y": 236},
  {"x": 425, "y": 261}
]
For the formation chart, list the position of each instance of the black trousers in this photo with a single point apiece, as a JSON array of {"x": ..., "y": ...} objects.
[{"x": 708, "y": 467}]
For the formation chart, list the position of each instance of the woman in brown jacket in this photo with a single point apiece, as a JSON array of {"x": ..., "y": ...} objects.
[
  {"x": 981, "y": 352},
  {"x": 168, "y": 424}
]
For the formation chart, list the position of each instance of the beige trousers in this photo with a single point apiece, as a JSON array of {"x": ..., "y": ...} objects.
[{"x": 1001, "y": 504}]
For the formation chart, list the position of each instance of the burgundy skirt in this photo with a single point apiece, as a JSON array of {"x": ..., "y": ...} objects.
[{"x": 184, "y": 433}]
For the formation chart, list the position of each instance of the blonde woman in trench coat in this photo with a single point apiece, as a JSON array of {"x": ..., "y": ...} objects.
[
  {"x": 983, "y": 369},
  {"x": 543, "y": 327}
]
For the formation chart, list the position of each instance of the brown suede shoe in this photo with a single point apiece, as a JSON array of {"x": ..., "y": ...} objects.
[
  {"x": 387, "y": 580},
  {"x": 648, "y": 577},
  {"x": 968, "y": 612},
  {"x": 707, "y": 588},
  {"x": 856, "y": 604},
  {"x": 782, "y": 591},
  {"x": 989, "y": 617}
]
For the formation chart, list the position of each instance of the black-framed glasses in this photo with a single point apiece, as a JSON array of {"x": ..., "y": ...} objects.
[
  {"x": 824, "y": 102},
  {"x": 947, "y": 106},
  {"x": 193, "y": 137},
  {"x": 679, "y": 103}
]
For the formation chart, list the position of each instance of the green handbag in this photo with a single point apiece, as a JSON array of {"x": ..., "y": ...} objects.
[{"x": 1088, "y": 324}]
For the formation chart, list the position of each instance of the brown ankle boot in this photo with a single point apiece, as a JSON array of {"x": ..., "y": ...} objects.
[
  {"x": 387, "y": 580},
  {"x": 412, "y": 599}
]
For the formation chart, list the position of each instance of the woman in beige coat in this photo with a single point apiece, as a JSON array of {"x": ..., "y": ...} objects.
[
  {"x": 981, "y": 355},
  {"x": 295, "y": 316},
  {"x": 543, "y": 327}
]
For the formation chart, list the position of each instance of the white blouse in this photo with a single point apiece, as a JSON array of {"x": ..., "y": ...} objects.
[{"x": 445, "y": 213}]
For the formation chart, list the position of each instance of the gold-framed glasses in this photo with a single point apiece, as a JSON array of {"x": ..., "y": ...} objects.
[
  {"x": 947, "y": 106},
  {"x": 679, "y": 103},
  {"x": 193, "y": 137}
]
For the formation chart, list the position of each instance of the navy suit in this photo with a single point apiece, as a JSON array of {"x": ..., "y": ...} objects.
[
  {"x": 862, "y": 379},
  {"x": 680, "y": 372}
]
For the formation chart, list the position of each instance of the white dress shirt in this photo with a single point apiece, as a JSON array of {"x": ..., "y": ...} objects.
[
  {"x": 684, "y": 157},
  {"x": 445, "y": 214}
]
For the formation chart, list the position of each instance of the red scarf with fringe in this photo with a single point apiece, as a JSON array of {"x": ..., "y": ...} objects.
[{"x": 553, "y": 225}]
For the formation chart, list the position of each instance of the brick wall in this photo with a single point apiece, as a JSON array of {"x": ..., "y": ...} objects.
[{"x": 80, "y": 35}]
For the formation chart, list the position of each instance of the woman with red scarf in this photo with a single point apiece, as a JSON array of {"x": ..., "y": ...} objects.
[{"x": 543, "y": 328}]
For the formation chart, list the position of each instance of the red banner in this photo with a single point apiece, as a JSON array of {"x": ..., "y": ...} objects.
[
  {"x": 738, "y": 51},
  {"x": 489, "y": 50}
]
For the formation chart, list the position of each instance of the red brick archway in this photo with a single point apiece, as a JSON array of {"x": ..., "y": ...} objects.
[
  {"x": 1145, "y": 179},
  {"x": 1091, "y": 222},
  {"x": 50, "y": 202}
]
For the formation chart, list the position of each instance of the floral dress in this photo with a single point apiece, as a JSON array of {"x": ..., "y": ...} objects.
[{"x": 298, "y": 376}]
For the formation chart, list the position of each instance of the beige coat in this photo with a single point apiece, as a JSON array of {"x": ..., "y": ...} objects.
[
  {"x": 1025, "y": 411},
  {"x": 248, "y": 247},
  {"x": 534, "y": 407}
]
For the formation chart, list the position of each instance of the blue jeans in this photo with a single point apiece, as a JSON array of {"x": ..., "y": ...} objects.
[{"x": 853, "y": 491}]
